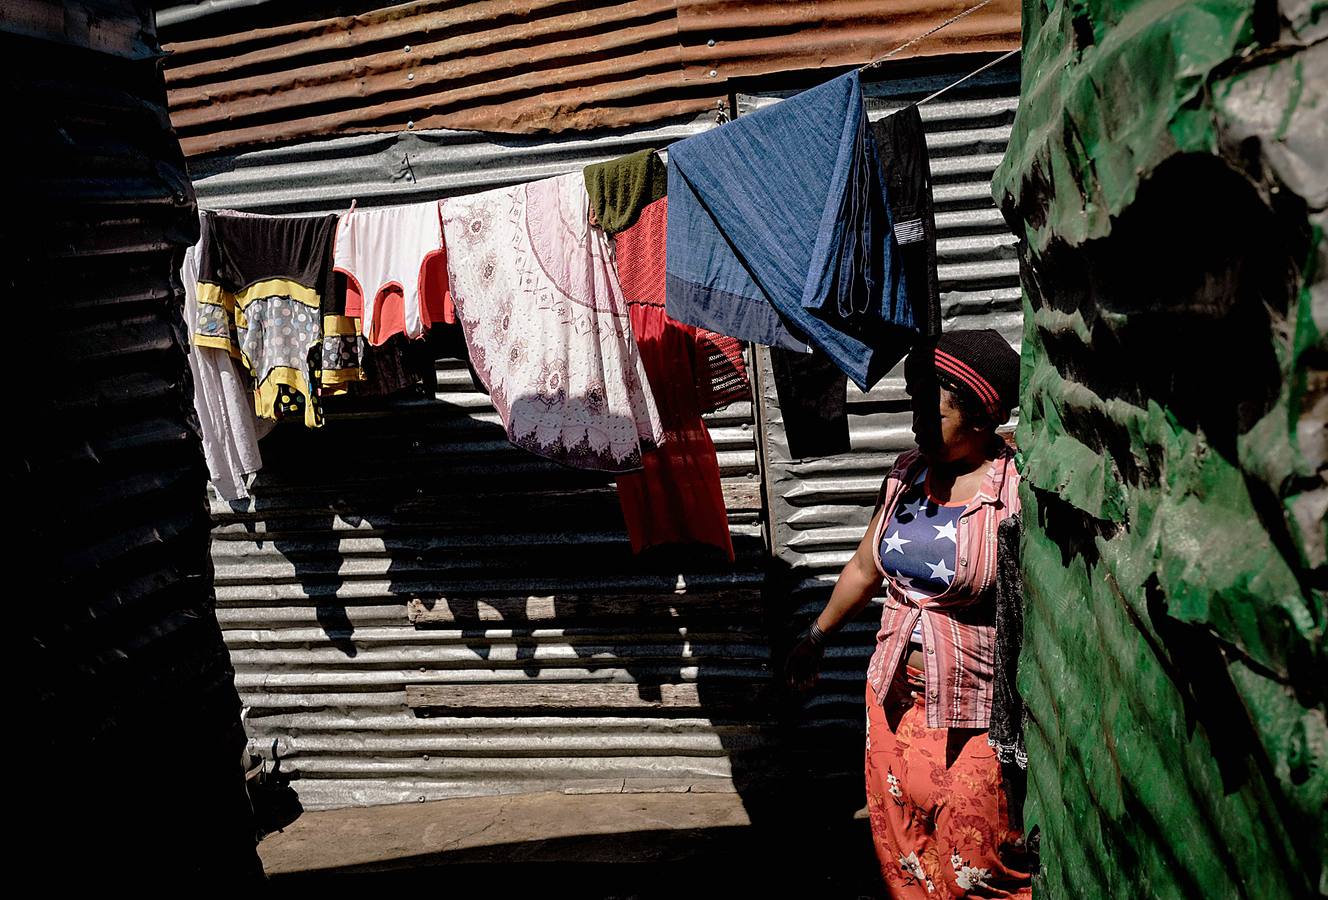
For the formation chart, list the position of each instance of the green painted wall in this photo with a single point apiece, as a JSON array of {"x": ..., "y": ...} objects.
[{"x": 1169, "y": 174}]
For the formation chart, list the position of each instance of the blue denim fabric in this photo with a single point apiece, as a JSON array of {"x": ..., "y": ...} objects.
[{"x": 779, "y": 233}]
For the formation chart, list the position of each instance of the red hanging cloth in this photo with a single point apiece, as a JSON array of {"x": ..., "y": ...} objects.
[{"x": 677, "y": 497}]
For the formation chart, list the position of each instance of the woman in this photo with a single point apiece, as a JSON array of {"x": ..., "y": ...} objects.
[{"x": 939, "y": 818}]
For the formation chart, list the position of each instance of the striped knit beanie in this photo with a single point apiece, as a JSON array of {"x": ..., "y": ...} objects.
[{"x": 986, "y": 364}]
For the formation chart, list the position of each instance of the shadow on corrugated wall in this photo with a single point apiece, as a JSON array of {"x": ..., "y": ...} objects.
[{"x": 417, "y": 609}]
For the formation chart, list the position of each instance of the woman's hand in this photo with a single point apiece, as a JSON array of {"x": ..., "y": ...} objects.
[
  {"x": 803, "y": 664},
  {"x": 853, "y": 590}
]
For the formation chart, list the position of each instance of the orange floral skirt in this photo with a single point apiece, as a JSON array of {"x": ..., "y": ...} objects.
[{"x": 939, "y": 818}]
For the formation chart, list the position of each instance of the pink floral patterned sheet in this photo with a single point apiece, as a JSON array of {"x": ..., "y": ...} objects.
[{"x": 546, "y": 325}]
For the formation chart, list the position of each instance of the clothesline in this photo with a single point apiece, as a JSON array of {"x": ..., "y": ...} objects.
[
  {"x": 928, "y": 33},
  {"x": 598, "y": 349},
  {"x": 977, "y": 71},
  {"x": 924, "y": 35},
  {"x": 930, "y": 97}
]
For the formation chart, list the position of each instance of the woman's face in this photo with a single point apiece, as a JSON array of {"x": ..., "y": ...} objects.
[
  {"x": 939, "y": 427},
  {"x": 940, "y": 430}
]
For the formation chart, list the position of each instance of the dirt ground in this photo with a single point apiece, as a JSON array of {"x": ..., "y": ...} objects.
[{"x": 585, "y": 845}]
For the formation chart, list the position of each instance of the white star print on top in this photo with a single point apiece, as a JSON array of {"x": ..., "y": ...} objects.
[
  {"x": 947, "y": 531},
  {"x": 913, "y": 508},
  {"x": 894, "y": 543},
  {"x": 940, "y": 572},
  {"x": 919, "y": 545}
]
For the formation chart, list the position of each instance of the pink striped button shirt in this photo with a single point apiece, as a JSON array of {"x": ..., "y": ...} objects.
[{"x": 958, "y": 630}]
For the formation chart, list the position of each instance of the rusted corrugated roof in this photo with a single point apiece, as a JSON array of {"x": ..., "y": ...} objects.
[{"x": 505, "y": 66}]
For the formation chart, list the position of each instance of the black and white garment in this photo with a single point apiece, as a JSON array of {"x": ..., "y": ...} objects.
[{"x": 266, "y": 295}]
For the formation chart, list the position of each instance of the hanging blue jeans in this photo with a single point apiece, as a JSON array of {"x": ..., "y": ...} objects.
[{"x": 779, "y": 233}]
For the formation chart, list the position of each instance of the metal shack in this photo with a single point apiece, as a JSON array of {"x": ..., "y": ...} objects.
[
  {"x": 425, "y": 611},
  {"x": 130, "y": 728}
]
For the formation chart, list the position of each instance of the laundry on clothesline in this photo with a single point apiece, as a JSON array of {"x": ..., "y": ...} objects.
[
  {"x": 779, "y": 233},
  {"x": 229, "y": 427},
  {"x": 604, "y": 311},
  {"x": 546, "y": 324},
  {"x": 901, "y": 145},
  {"x": 677, "y": 497},
  {"x": 620, "y": 189},
  {"x": 266, "y": 296},
  {"x": 387, "y": 256}
]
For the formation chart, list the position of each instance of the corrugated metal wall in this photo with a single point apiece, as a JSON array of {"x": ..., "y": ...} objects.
[
  {"x": 129, "y": 721},
  {"x": 416, "y": 609},
  {"x": 820, "y": 507},
  {"x": 382, "y": 169},
  {"x": 401, "y": 618},
  {"x": 251, "y": 73}
]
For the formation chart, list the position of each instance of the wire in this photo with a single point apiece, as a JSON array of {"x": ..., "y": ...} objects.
[
  {"x": 999, "y": 59},
  {"x": 924, "y": 35}
]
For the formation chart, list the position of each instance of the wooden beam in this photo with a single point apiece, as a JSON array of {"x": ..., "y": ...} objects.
[{"x": 535, "y": 698}]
